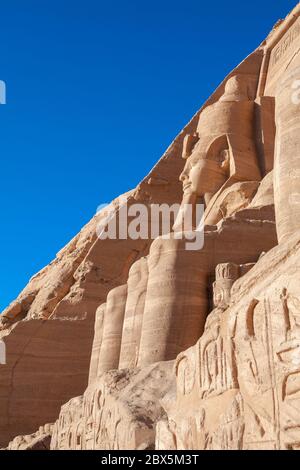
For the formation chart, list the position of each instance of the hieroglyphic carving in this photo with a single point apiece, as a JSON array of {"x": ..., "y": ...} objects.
[
  {"x": 267, "y": 351},
  {"x": 255, "y": 373},
  {"x": 284, "y": 44},
  {"x": 205, "y": 374},
  {"x": 287, "y": 357},
  {"x": 230, "y": 432}
]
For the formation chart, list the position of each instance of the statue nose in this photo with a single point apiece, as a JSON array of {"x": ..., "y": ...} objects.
[{"x": 184, "y": 176}]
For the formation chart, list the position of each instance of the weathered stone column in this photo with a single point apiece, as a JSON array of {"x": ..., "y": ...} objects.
[
  {"x": 112, "y": 329},
  {"x": 287, "y": 156},
  {"x": 132, "y": 328},
  {"x": 99, "y": 323}
]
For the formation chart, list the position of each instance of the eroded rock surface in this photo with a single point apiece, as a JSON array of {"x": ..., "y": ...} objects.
[
  {"x": 192, "y": 349},
  {"x": 118, "y": 411},
  {"x": 39, "y": 440}
]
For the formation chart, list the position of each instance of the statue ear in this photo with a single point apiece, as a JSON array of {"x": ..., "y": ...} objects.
[
  {"x": 225, "y": 159},
  {"x": 189, "y": 143},
  {"x": 219, "y": 151}
]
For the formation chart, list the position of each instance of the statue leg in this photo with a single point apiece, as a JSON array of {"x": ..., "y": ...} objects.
[{"x": 177, "y": 296}]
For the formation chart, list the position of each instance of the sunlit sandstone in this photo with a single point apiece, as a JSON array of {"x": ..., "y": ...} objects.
[{"x": 193, "y": 349}]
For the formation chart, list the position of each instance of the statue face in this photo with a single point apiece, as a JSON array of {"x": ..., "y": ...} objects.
[
  {"x": 221, "y": 296},
  {"x": 205, "y": 171},
  {"x": 221, "y": 143}
]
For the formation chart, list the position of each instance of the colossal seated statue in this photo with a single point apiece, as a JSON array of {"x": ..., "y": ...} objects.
[
  {"x": 221, "y": 162},
  {"x": 163, "y": 309},
  {"x": 215, "y": 370},
  {"x": 118, "y": 324},
  {"x": 222, "y": 152},
  {"x": 205, "y": 412}
]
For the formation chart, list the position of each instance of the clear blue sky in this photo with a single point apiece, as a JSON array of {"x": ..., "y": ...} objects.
[{"x": 96, "y": 91}]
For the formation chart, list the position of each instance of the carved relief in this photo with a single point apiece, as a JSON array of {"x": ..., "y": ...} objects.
[
  {"x": 98, "y": 336},
  {"x": 219, "y": 155}
]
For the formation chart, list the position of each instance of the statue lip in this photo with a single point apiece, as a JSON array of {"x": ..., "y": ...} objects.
[{"x": 186, "y": 186}]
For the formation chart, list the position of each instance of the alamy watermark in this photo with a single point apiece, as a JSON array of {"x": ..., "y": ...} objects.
[
  {"x": 2, "y": 92},
  {"x": 148, "y": 222},
  {"x": 2, "y": 353}
]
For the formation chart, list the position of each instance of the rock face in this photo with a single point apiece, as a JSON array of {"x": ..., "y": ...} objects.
[
  {"x": 192, "y": 349},
  {"x": 118, "y": 411},
  {"x": 238, "y": 387},
  {"x": 39, "y": 440}
]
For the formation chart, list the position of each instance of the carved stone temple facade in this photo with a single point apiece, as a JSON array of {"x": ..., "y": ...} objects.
[{"x": 143, "y": 344}]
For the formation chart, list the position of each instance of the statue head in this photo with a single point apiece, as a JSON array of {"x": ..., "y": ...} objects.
[
  {"x": 207, "y": 166},
  {"x": 222, "y": 150}
]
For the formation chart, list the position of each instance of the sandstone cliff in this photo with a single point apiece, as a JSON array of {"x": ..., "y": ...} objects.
[{"x": 142, "y": 344}]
